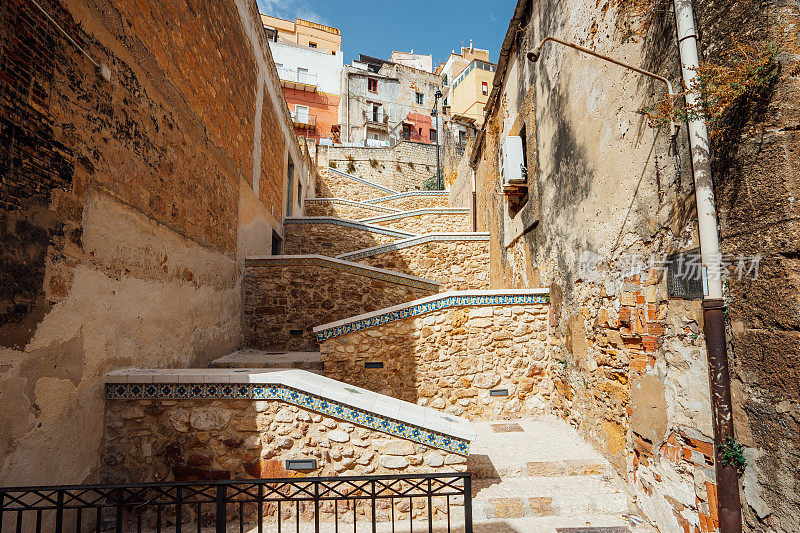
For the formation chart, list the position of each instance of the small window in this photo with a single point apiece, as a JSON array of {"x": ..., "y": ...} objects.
[
  {"x": 484, "y": 88},
  {"x": 372, "y": 85},
  {"x": 312, "y": 45},
  {"x": 392, "y": 115},
  {"x": 290, "y": 187},
  {"x": 299, "y": 193},
  {"x": 420, "y": 99},
  {"x": 433, "y": 135},
  {"x": 420, "y": 132}
]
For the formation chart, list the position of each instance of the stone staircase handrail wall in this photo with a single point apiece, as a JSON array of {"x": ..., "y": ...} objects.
[
  {"x": 349, "y": 223},
  {"x": 363, "y": 181},
  {"x": 417, "y": 212},
  {"x": 303, "y": 389},
  {"x": 365, "y": 205},
  {"x": 347, "y": 266},
  {"x": 431, "y": 304},
  {"x": 414, "y": 241}
]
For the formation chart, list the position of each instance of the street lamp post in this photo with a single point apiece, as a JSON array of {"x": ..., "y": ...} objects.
[{"x": 435, "y": 113}]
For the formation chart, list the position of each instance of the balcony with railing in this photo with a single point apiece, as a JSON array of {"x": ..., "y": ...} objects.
[
  {"x": 376, "y": 117},
  {"x": 297, "y": 79},
  {"x": 304, "y": 120}
]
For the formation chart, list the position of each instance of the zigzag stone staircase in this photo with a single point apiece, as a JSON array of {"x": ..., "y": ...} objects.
[{"x": 531, "y": 471}]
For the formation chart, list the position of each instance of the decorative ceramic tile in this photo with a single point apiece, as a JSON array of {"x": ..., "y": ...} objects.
[
  {"x": 362, "y": 180},
  {"x": 344, "y": 266},
  {"x": 278, "y": 392},
  {"x": 349, "y": 224},
  {"x": 357, "y": 324},
  {"x": 413, "y": 241}
]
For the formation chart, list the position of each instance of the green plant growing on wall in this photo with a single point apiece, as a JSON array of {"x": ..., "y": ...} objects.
[
  {"x": 745, "y": 72},
  {"x": 732, "y": 454},
  {"x": 351, "y": 166},
  {"x": 373, "y": 163},
  {"x": 410, "y": 165},
  {"x": 399, "y": 168},
  {"x": 431, "y": 184},
  {"x": 332, "y": 164}
]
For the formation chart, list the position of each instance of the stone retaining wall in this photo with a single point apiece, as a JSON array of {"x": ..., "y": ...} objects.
[
  {"x": 296, "y": 296},
  {"x": 330, "y": 238},
  {"x": 450, "y": 359},
  {"x": 166, "y": 440},
  {"x": 457, "y": 265},
  {"x": 428, "y": 223},
  {"x": 341, "y": 208},
  {"x": 404, "y": 167}
]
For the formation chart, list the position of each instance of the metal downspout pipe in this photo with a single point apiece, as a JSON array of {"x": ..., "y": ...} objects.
[{"x": 730, "y": 513}]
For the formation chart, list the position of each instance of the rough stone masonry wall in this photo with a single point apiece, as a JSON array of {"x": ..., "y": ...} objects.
[
  {"x": 450, "y": 359},
  {"x": 457, "y": 265},
  {"x": 161, "y": 440},
  {"x": 332, "y": 185},
  {"x": 330, "y": 239},
  {"x": 125, "y": 206},
  {"x": 408, "y": 203},
  {"x": 403, "y": 167},
  {"x": 429, "y": 223},
  {"x": 292, "y": 297},
  {"x": 342, "y": 210}
]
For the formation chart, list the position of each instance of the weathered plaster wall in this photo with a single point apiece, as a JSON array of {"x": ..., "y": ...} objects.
[
  {"x": 604, "y": 186},
  {"x": 450, "y": 359},
  {"x": 457, "y": 265},
  {"x": 330, "y": 239},
  {"x": 127, "y": 206},
  {"x": 162, "y": 440},
  {"x": 278, "y": 299},
  {"x": 403, "y": 167}
]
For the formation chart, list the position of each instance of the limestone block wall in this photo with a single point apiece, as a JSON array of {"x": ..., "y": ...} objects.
[
  {"x": 343, "y": 208},
  {"x": 404, "y": 167},
  {"x": 284, "y": 298},
  {"x": 332, "y": 185},
  {"x": 450, "y": 359},
  {"x": 333, "y": 237},
  {"x": 455, "y": 264},
  {"x": 432, "y": 220},
  {"x": 169, "y": 440}
]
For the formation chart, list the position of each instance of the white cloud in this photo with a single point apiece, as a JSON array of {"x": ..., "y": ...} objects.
[{"x": 290, "y": 10}]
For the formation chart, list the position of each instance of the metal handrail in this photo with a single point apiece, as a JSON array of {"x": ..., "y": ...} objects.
[
  {"x": 287, "y": 74},
  {"x": 134, "y": 506}
]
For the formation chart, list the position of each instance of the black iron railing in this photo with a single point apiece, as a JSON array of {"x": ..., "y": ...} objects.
[{"x": 429, "y": 502}]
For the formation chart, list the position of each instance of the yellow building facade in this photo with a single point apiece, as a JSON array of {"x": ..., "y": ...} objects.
[{"x": 304, "y": 33}]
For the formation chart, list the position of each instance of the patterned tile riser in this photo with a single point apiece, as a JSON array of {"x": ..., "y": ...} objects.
[
  {"x": 267, "y": 391},
  {"x": 450, "y": 301}
]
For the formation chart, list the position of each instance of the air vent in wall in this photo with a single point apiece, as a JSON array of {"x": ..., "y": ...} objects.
[
  {"x": 295, "y": 332},
  {"x": 373, "y": 364},
  {"x": 498, "y": 392},
  {"x": 301, "y": 464}
]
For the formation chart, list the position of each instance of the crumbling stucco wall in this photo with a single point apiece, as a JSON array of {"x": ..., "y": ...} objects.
[{"x": 127, "y": 206}]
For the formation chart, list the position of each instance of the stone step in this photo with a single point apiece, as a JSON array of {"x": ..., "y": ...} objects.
[
  {"x": 548, "y": 496},
  {"x": 252, "y": 358},
  {"x": 483, "y": 468}
]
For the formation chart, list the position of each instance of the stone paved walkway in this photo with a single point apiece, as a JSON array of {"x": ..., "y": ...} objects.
[{"x": 539, "y": 475}]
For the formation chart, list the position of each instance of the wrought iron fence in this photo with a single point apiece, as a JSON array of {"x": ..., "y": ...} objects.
[{"x": 429, "y": 502}]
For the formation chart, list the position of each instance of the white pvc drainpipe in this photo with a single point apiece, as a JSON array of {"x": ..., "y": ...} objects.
[{"x": 700, "y": 150}]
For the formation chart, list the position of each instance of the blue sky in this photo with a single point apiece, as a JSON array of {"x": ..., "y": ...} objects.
[{"x": 428, "y": 26}]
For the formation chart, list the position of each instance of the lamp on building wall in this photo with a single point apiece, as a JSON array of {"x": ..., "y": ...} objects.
[{"x": 435, "y": 113}]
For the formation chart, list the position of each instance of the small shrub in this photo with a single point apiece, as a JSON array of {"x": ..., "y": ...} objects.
[
  {"x": 373, "y": 163},
  {"x": 732, "y": 454},
  {"x": 351, "y": 167},
  {"x": 399, "y": 168},
  {"x": 332, "y": 164},
  {"x": 410, "y": 164},
  {"x": 431, "y": 184}
]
